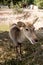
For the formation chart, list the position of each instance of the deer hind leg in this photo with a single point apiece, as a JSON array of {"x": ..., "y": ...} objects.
[
  {"x": 18, "y": 50},
  {"x": 17, "y": 53}
]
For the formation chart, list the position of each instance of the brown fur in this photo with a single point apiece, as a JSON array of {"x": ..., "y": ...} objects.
[{"x": 19, "y": 35}]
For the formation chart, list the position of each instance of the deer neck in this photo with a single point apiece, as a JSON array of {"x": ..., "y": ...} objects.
[{"x": 21, "y": 37}]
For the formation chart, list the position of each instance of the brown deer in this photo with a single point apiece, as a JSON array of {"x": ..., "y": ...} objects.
[{"x": 20, "y": 32}]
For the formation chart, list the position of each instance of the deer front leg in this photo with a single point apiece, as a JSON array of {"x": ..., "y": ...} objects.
[{"x": 18, "y": 51}]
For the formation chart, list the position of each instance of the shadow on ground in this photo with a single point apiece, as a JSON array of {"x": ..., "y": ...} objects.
[{"x": 32, "y": 54}]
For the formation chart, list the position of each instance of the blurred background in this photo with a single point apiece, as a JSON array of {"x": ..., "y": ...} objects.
[{"x": 12, "y": 11}]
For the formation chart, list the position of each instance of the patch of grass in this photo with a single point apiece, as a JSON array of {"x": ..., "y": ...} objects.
[{"x": 4, "y": 27}]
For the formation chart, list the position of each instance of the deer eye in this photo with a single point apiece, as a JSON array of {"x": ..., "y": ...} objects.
[{"x": 27, "y": 29}]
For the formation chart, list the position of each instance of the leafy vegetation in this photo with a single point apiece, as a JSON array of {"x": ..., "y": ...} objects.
[
  {"x": 39, "y": 3},
  {"x": 21, "y": 3}
]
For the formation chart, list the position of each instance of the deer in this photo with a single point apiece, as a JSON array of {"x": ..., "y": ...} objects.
[{"x": 20, "y": 32}]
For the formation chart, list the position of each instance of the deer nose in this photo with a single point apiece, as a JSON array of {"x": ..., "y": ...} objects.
[{"x": 36, "y": 40}]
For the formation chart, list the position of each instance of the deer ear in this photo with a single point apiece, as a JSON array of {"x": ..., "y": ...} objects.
[
  {"x": 14, "y": 27},
  {"x": 21, "y": 24}
]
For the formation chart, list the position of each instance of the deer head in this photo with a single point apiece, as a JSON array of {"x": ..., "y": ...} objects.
[{"x": 28, "y": 30}]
